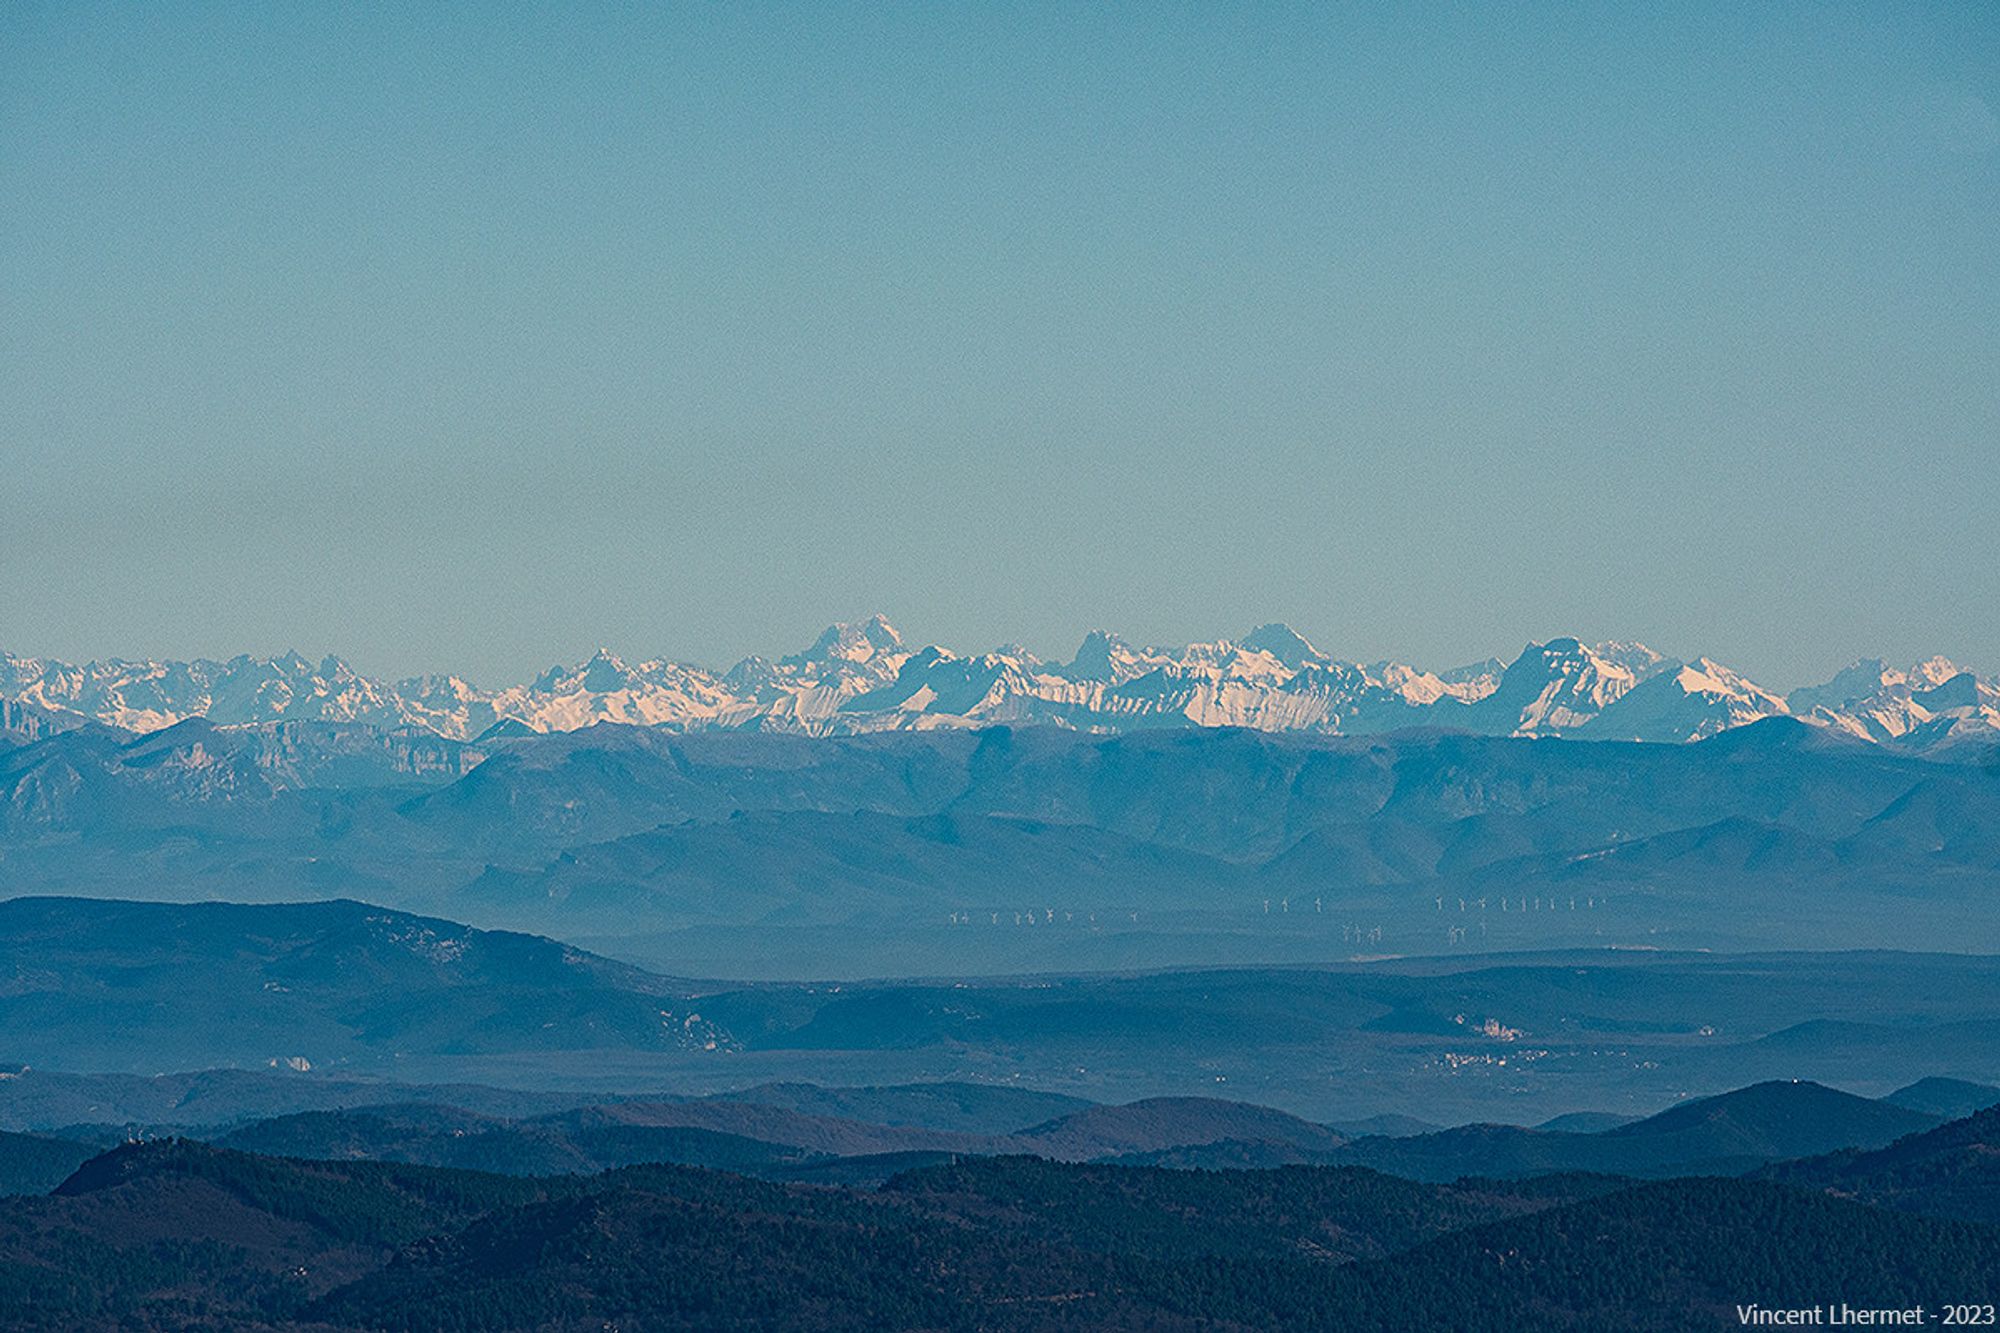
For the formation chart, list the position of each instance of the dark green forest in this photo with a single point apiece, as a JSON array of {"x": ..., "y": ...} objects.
[{"x": 174, "y": 1234}]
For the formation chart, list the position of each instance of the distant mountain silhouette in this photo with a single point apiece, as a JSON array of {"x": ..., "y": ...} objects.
[
  {"x": 1779, "y": 1118},
  {"x": 1950, "y": 1097},
  {"x": 212, "y": 983},
  {"x": 323, "y": 1006},
  {"x": 1171, "y": 1122},
  {"x": 1728, "y": 1133},
  {"x": 911, "y": 852},
  {"x": 965, "y": 1108},
  {"x": 445, "y": 1136}
]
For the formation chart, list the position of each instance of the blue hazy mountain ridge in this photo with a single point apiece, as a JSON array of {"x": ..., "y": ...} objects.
[
  {"x": 734, "y": 853},
  {"x": 559, "y": 1145},
  {"x": 350, "y": 993},
  {"x": 1725, "y": 1134},
  {"x": 51, "y": 1102},
  {"x": 738, "y": 1132},
  {"x": 973, "y": 1108},
  {"x": 1728, "y": 1133},
  {"x": 97, "y": 984},
  {"x": 1232, "y": 793},
  {"x": 1952, "y": 1098},
  {"x": 343, "y": 1161},
  {"x": 45, "y": 1099},
  {"x": 816, "y": 867}
]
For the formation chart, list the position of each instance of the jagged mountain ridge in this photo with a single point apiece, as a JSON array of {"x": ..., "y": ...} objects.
[{"x": 864, "y": 677}]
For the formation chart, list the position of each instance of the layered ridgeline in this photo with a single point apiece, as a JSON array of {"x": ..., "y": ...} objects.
[
  {"x": 861, "y": 678},
  {"x": 1010, "y": 1243},
  {"x": 303, "y": 1006},
  {"x": 956, "y": 852},
  {"x": 308, "y": 1232}
]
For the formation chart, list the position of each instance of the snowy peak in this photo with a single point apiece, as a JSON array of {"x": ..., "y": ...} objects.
[
  {"x": 1097, "y": 657},
  {"x": 860, "y": 677},
  {"x": 604, "y": 673},
  {"x": 1619, "y": 691},
  {"x": 1933, "y": 672},
  {"x": 1923, "y": 706},
  {"x": 872, "y": 638},
  {"x": 1643, "y": 662},
  {"x": 1474, "y": 681},
  {"x": 1284, "y": 643},
  {"x": 147, "y": 696},
  {"x": 1106, "y": 658},
  {"x": 1706, "y": 676},
  {"x": 1690, "y": 703},
  {"x": 604, "y": 688},
  {"x": 1850, "y": 685},
  {"x": 600, "y": 673},
  {"x": 23, "y": 722},
  {"x": 1553, "y": 688},
  {"x": 1959, "y": 691},
  {"x": 1408, "y": 683}
]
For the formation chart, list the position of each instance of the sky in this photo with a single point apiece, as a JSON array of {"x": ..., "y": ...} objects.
[{"x": 472, "y": 337}]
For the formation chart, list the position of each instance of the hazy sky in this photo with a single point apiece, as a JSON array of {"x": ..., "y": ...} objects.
[{"x": 474, "y": 336}]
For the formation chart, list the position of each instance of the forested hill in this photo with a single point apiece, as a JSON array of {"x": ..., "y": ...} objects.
[{"x": 177, "y": 1235}]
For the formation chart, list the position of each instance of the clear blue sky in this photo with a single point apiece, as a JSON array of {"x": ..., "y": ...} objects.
[{"x": 472, "y": 336}]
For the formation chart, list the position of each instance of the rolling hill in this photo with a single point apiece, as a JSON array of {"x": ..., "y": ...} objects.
[
  {"x": 1950, "y": 1171},
  {"x": 449, "y": 1137},
  {"x": 1724, "y": 1134},
  {"x": 167, "y": 1233},
  {"x": 1949, "y": 1097},
  {"x": 110, "y": 984}
]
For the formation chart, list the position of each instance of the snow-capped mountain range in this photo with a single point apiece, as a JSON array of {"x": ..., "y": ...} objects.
[{"x": 864, "y": 677}]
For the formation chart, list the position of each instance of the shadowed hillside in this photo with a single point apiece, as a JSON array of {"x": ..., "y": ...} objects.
[
  {"x": 174, "y": 1234},
  {"x": 1950, "y": 1171},
  {"x": 1728, "y": 1133},
  {"x": 107, "y": 983}
]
